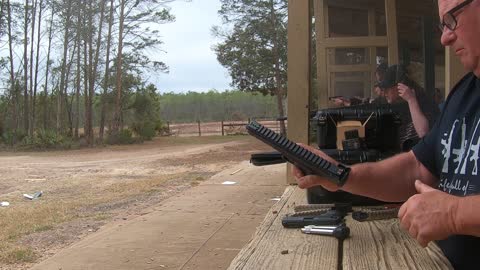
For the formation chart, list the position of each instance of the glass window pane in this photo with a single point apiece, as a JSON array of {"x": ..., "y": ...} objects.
[
  {"x": 348, "y": 56},
  {"x": 350, "y": 84},
  {"x": 347, "y": 22},
  {"x": 356, "y": 18},
  {"x": 380, "y": 24}
]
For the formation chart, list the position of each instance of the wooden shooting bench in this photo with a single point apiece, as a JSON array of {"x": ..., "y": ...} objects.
[{"x": 371, "y": 245}]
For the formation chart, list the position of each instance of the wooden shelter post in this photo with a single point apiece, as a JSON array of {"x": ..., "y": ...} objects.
[{"x": 299, "y": 55}]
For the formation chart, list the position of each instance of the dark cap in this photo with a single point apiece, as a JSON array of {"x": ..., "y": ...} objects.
[{"x": 393, "y": 75}]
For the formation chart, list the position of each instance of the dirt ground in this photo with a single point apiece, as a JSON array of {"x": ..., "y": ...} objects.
[{"x": 86, "y": 189}]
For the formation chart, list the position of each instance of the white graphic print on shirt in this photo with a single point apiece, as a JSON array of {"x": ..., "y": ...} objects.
[{"x": 463, "y": 152}]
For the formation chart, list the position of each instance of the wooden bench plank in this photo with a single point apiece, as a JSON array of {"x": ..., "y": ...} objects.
[
  {"x": 372, "y": 245},
  {"x": 384, "y": 245},
  {"x": 305, "y": 252}
]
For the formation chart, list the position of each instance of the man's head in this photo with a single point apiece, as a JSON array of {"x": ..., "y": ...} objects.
[
  {"x": 393, "y": 75},
  {"x": 465, "y": 38}
]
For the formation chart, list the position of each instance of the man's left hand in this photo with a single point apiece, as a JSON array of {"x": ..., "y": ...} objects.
[{"x": 429, "y": 215}]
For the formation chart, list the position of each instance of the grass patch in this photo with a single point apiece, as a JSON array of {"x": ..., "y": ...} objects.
[
  {"x": 15, "y": 254},
  {"x": 27, "y": 217},
  {"x": 200, "y": 140},
  {"x": 101, "y": 217},
  {"x": 136, "y": 187},
  {"x": 43, "y": 228}
]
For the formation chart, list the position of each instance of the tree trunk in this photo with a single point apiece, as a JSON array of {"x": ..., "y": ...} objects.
[
  {"x": 278, "y": 80},
  {"x": 91, "y": 75},
  {"x": 47, "y": 73},
  {"x": 93, "y": 68},
  {"x": 2, "y": 4},
  {"x": 30, "y": 91},
  {"x": 2, "y": 8},
  {"x": 118, "y": 101},
  {"x": 12, "y": 73},
  {"x": 64, "y": 66},
  {"x": 78, "y": 79},
  {"x": 25, "y": 71},
  {"x": 34, "y": 116},
  {"x": 107, "y": 73},
  {"x": 68, "y": 106},
  {"x": 87, "y": 124}
]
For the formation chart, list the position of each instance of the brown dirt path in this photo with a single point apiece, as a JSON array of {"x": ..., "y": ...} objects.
[{"x": 86, "y": 189}]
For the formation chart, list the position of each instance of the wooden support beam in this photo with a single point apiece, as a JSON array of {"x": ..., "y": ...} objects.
[
  {"x": 429, "y": 55},
  {"x": 299, "y": 81},
  {"x": 354, "y": 4},
  {"x": 349, "y": 68},
  {"x": 355, "y": 42},
  {"x": 454, "y": 70},
  {"x": 392, "y": 33},
  {"x": 372, "y": 31},
  {"x": 321, "y": 26}
]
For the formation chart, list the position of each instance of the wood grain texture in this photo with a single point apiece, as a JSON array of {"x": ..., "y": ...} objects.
[
  {"x": 305, "y": 252},
  {"x": 384, "y": 245},
  {"x": 372, "y": 245},
  {"x": 392, "y": 31},
  {"x": 298, "y": 73}
]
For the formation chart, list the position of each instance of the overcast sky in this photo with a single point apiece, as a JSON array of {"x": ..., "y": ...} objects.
[{"x": 188, "y": 49}]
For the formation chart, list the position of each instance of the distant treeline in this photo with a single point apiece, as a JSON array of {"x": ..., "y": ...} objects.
[
  {"x": 145, "y": 113},
  {"x": 216, "y": 106}
]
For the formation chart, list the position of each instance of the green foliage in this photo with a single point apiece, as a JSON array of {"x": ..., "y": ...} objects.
[
  {"x": 124, "y": 136},
  {"x": 216, "y": 106},
  {"x": 146, "y": 114},
  {"x": 254, "y": 44},
  {"x": 161, "y": 128},
  {"x": 145, "y": 129},
  {"x": 11, "y": 137},
  {"x": 47, "y": 139}
]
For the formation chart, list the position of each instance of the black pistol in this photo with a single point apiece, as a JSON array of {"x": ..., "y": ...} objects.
[{"x": 329, "y": 218}]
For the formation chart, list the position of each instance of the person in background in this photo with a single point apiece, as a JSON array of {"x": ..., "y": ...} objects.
[
  {"x": 340, "y": 101},
  {"x": 379, "y": 75},
  {"x": 416, "y": 111}
]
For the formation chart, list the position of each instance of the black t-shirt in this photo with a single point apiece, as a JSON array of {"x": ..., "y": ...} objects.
[{"x": 451, "y": 152}]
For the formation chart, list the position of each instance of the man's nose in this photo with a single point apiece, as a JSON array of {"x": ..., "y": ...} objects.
[{"x": 448, "y": 37}]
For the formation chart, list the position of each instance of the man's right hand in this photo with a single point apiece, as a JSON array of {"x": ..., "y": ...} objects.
[{"x": 307, "y": 181}]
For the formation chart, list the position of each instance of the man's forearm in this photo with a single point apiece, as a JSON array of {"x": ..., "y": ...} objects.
[
  {"x": 467, "y": 219},
  {"x": 392, "y": 179}
]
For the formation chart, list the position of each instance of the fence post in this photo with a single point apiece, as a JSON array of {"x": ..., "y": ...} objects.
[
  {"x": 168, "y": 128},
  {"x": 223, "y": 132},
  {"x": 199, "y": 130}
]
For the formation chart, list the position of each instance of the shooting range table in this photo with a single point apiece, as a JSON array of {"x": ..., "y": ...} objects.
[{"x": 372, "y": 245}]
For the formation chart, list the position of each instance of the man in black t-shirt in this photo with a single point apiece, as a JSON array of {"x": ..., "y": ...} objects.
[{"x": 439, "y": 179}]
